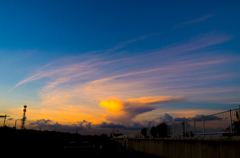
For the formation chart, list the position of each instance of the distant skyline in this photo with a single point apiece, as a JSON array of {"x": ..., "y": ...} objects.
[{"x": 90, "y": 66}]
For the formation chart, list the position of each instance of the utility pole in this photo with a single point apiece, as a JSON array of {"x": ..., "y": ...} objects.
[
  {"x": 24, "y": 116},
  {"x": 15, "y": 124},
  {"x": 4, "y": 120},
  {"x": 5, "y": 116}
]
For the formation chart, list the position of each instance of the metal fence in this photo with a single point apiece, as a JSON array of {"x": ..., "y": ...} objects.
[
  {"x": 216, "y": 124},
  {"x": 226, "y": 122}
]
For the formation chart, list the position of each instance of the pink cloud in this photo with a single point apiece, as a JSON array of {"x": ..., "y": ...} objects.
[{"x": 73, "y": 89}]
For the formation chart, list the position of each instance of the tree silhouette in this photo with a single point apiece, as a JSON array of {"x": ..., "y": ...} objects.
[
  {"x": 144, "y": 132},
  {"x": 153, "y": 131},
  {"x": 162, "y": 129},
  {"x": 183, "y": 124}
]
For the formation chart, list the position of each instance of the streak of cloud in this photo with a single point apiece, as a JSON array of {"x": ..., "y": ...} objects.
[
  {"x": 198, "y": 43},
  {"x": 124, "y": 44},
  {"x": 201, "y": 19},
  {"x": 73, "y": 88}
]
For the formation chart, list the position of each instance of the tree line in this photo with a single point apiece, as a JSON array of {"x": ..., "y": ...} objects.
[{"x": 160, "y": 130}]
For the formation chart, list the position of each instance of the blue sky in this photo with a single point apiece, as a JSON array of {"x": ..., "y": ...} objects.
[{"x": 85, "y": 64}]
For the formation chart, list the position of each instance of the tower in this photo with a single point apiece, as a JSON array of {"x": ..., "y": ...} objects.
[{"x": 24, "y": 116}]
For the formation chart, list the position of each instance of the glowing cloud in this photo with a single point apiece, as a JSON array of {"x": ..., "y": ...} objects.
[
  {"x": 111, "y": 105},
  {"x": 125, "y": 110}
]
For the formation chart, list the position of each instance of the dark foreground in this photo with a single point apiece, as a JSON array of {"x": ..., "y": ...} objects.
[
  {"x": 80, "y": 153},
  {"x": 32, "y": 143}
]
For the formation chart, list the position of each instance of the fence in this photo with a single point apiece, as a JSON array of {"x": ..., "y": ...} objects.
[
  {"x": 216, "y": 124},
  {"x": 226, "y": 122}
]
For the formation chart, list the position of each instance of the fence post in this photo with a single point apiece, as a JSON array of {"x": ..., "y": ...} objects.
[
  {"x": 173, "y": 129},
  {"x": 4, "y": 120},
  {"x": 230, "y": 120},
  {"x": 194, "y": 126},
  {"x": 203, "y": 126},
  {"x": 185, "y": 128}
]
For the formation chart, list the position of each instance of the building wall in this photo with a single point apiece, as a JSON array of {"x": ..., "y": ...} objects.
[{"x": 191, "y": 147}]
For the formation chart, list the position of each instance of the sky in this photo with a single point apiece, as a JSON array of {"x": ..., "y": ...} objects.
[{"x": 96, "y": 66}]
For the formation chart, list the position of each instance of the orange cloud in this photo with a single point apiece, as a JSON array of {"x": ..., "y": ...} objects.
[
  {"x": 125, "y": 110},
  {"x": 111, "y": 105}
]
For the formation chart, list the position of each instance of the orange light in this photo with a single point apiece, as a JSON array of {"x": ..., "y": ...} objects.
[{"x": 111, "y": 105}]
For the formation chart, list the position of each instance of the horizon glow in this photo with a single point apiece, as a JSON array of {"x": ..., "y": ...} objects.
[{"x": 95, "y": 66}]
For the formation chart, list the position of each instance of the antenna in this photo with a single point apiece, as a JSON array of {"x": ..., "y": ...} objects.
[{"x": 24, "y": 117}]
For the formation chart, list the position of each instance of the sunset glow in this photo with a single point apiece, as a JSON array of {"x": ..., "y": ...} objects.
[{"x": 94, "y": 66}]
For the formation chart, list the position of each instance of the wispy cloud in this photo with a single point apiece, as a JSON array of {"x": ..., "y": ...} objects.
[
  {"x": 81, "y": 68},
  {"x": 125, "y": 43},
  {"x": 201, "y": 19},
  {"x": 203, "y": 41},
  {"x": 126, "y": 88}
]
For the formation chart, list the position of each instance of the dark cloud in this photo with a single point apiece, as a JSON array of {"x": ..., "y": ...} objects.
[
  {"x": 166, "y": 118},
  {"x": 40, "y": 122},
  {"x": 45, "y": 124},
  {"x": 207, "y": 118},
  {"x": 148, "y": 124},
  {"x": 10, "y": 119},
  {"x": 84, "y": 121},
  {"x": 180, "y": 119},
  {"x": 197, "y": 118},
  {"x": 69, "y": 128},
  {"x": 110, "y": 125},
  {"x": 138, "y": 110},
  {"x": 57, "y": 126},
  {"x": 85, "y": 127},
  {"x": 89, "y": 125},
  {"x": 133, "y": 126},
  {"x": 22, "y": 119}
]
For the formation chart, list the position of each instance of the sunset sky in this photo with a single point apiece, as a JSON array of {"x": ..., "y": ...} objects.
[{"x": 90, "y": 66}]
